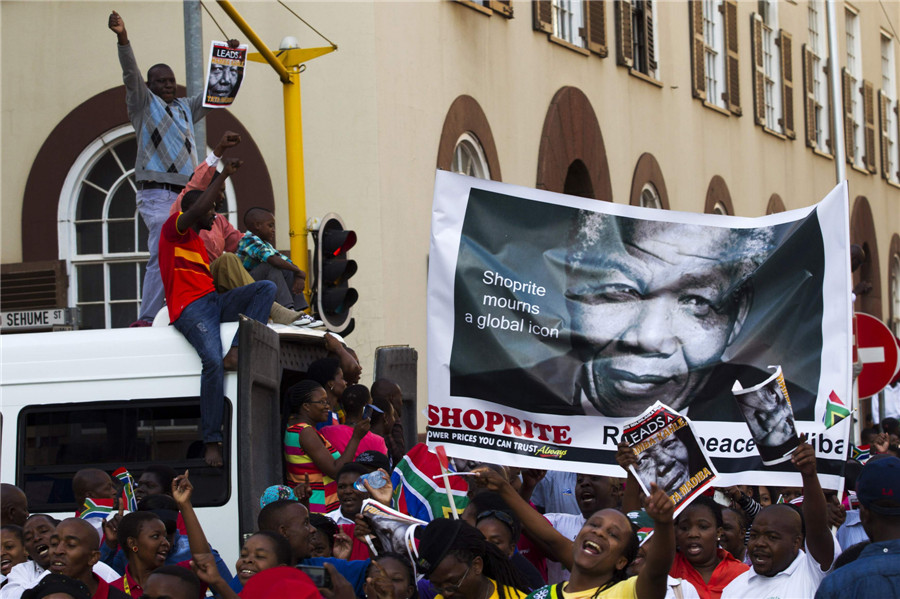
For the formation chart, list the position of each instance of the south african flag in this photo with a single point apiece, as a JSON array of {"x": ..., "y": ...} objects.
[
  {"x": 124, "y": 477},
  {"x": 861, "y": 454},
  {"x": 835, "y": 410},
  {"x": 97, "y": 508}
]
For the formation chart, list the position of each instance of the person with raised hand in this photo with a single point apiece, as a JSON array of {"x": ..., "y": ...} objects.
[
  {"x": 196, "y": 310},
  {"x": 605, "y": 548},
  {"x": 791, "y": 550},
  {"x": 143, "y": 536},
  {"x": 166, "y": 152},
  {"x": 308, "y": 455}
]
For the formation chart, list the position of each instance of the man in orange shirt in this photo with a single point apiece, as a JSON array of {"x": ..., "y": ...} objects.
[
  {"x": 196, "y": 310},
  {"x": 222, "y": 238}
]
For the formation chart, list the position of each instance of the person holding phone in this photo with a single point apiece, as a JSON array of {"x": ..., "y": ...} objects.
[
  {"x": 307, "y": 453},
  {"x": 358, "y": 406}
]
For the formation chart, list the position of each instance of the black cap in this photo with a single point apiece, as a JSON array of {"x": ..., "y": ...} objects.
[{"x": 374, "y": 460}]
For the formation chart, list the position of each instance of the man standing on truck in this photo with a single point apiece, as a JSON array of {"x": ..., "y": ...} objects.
[
  {"x": 167, "y": 151},
  {"x": 196, "y": 309}
]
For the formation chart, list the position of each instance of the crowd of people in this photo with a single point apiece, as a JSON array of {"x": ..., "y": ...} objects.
[
  {"x": 314, "y": 539},
  {"x": 513, "y": 534}
]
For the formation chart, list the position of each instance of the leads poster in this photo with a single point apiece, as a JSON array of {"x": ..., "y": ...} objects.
[
  {"x": 669, "y": 454},
  {"x": 555, "y": 320},
  {"x": 224, "y": 74}
]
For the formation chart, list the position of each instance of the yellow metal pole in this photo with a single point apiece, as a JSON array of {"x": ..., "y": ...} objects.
[
  {"x": 287, "y": 65},
  {"x": 293, "y": 142}
]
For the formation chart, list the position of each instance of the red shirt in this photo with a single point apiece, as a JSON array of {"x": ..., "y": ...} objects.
[
  {"x": 103, "y": 588},
  {"x": 359, "y": 549},
  {"x": 222, "y": 237},
  {"x": 128, "y": 584},
  {"x": 184, "y": 267},
  {"x": 727, "y": 570}
]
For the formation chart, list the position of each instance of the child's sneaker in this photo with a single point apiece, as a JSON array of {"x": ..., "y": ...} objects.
[{"x": 307, "y": 322}]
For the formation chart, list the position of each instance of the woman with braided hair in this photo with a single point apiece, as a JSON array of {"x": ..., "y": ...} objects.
[
  {"x": 307, "y": 453},
  {"x": 459, "y": 562}
]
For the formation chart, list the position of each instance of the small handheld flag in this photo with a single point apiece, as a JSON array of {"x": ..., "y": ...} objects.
[
  {"x": 445, "y": 468},
  {"x": 861, "y": 454},
  {"x": 123, "y": 476},
  {"x": 835, "y": 410},
  {"x": 97, "y": 508}
]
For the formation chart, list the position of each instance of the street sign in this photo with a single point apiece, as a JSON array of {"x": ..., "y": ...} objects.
[
  {"x": 878, "y": 353},
  {"x": 30, "y": 320}
]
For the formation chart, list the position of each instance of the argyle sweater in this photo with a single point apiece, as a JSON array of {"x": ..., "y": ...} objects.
[{"x": 167, "y": 152}]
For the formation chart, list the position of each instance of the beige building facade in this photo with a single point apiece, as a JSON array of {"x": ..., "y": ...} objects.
[{"x": 694, "y": 106}]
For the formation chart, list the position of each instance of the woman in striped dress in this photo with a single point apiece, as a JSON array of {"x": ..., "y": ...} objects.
[{"x": 309, "y": 454}]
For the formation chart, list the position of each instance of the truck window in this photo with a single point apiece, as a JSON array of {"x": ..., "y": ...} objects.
[{"x": 55, "y": 441}]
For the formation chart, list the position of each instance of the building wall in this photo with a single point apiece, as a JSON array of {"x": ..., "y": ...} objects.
[{"x": 375, "y": 109}]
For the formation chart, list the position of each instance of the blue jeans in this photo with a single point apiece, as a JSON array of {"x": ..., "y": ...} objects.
[
  {"x": 153, "y": 204},
  {"x": 199, "y": 323}
]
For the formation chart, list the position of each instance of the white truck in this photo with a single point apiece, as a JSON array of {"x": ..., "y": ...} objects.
[{"x": 130, "y": 397}]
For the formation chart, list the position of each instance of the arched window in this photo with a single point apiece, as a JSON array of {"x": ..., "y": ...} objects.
[
  {"x": 775, "y": 204},
  {"x": 894, "y": 285},
  {"x": 467, "y": 144},
  {"x": 718, "y": 199},
  {"x": 572, "y": 157},
  {"x": 895, "y": 292},
  {"x": 469, "y": 158},
  {"x": 102, "y": 237},
  {"x": 648, "y": 186}
]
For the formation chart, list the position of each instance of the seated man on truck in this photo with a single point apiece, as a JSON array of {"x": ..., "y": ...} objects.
[
  {"x": 222, "y": 239},
  {"x": 196, "y": 309}
]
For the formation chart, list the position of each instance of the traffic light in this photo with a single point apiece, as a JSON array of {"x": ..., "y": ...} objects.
[{"x": 334, "y": 298}]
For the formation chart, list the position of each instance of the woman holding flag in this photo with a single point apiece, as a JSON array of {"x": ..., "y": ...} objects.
[{"x": 146, "y": 545}]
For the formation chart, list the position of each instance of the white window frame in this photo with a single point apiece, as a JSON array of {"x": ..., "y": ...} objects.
[
  {"x": 67, "y": 212},
  {"x": 568, "y": 21},
  {"x": 469, "y": 157},
  {"x": 637, "y": 7},
  {"x": 889, "y": 89},
  {"x": 649, "y": 197},
  {"x": 819, "y": 51},
  {"x": 714, "y": 52},
  {"x": 854, "y": 68},
  {"x": 771, "y": 66}
]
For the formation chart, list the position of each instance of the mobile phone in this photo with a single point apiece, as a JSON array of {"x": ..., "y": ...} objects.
[
  {"x": 318, "y": 574},
  {"x": 367, "y": 411}
]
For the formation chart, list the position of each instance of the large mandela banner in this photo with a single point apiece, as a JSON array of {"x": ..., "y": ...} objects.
[{"x": 554, "y": 321}]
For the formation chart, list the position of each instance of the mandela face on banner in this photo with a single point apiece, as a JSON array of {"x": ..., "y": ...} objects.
[
  {"x": 607, "y": 315},
  {"x": 554, "y": 320}
]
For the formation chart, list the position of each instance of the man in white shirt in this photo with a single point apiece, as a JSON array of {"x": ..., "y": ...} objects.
[
  {"x": 555, "y": 493},
  {"x": 780, "y": 569},
  {"x": 351, "y": 500},
  {"x": 38, "y": 531}
]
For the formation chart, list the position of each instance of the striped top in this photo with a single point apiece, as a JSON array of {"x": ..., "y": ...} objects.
[
  {"x": 184, "y": 267},
  {"x": 323, "y": 488}
]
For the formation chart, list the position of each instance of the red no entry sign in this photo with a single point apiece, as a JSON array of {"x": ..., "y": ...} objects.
[{"x": 877, "y": 350}]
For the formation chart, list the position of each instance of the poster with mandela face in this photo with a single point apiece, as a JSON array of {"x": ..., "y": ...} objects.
[{"x": 554, "y": 321}]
